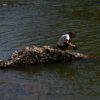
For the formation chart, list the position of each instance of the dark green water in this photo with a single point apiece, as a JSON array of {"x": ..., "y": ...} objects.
[{"x": 42, "y": 22}]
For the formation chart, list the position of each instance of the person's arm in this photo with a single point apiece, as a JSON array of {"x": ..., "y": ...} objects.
[{"x": 70, "y": 44}]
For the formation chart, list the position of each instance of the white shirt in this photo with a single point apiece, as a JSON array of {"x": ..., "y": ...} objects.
[{"x": 63, "y": 39}]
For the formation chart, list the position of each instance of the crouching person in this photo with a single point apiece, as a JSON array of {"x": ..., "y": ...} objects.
[{"x": 64, "y": 41}]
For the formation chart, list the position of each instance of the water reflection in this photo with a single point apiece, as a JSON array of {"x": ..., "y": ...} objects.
[
  {"x": 51, "y": 81},
  {"x": 36, "y": 22}
]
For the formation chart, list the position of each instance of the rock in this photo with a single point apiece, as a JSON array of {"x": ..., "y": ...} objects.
[{"x": 36, "y": 55}]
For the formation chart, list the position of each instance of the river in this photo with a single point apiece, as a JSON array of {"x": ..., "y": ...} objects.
[{"x": 42, "y": 22}]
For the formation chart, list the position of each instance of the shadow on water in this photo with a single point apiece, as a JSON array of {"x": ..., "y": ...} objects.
[
  {"x": 51, "y": 80},
  {"x": 35, "y": 82},
  {"x": 51, "y": 67},
  {"x": 43, "y": 22},
  {"x": 64, "y": 69}
]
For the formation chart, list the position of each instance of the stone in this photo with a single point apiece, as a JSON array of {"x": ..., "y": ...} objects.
[{"x": 36, "y": 55}]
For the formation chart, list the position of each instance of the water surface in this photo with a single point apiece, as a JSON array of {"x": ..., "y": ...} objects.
[{"x": 42, "y": 22}]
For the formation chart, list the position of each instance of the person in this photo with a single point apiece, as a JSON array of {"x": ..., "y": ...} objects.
[{"x": 64, "y": 41}]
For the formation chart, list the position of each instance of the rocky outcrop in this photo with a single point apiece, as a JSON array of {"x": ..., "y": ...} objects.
[{"x": 36, "y": 55}]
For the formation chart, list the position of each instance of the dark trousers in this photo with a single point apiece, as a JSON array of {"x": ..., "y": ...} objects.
[{"x": 64, "y": 47}]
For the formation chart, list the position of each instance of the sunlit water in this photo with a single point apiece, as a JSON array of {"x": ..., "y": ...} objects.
[{"x": 42, "y": 22}]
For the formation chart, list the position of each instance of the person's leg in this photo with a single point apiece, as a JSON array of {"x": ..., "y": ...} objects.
[
  {"x": 60, "y": 47},
  {"x": 65, "y": 48}
]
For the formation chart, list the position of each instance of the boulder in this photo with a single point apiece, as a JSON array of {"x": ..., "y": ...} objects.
[{"x": 37, "y": 55}]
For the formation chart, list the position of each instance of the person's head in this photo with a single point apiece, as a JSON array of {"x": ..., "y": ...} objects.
[{"x": 72, "y": 34}]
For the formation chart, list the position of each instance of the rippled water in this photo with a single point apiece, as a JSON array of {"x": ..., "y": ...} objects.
[{"x": 42, "y": 22}]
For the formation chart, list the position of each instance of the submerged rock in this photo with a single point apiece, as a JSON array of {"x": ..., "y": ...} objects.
[{"x": 36, "y": 55}]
